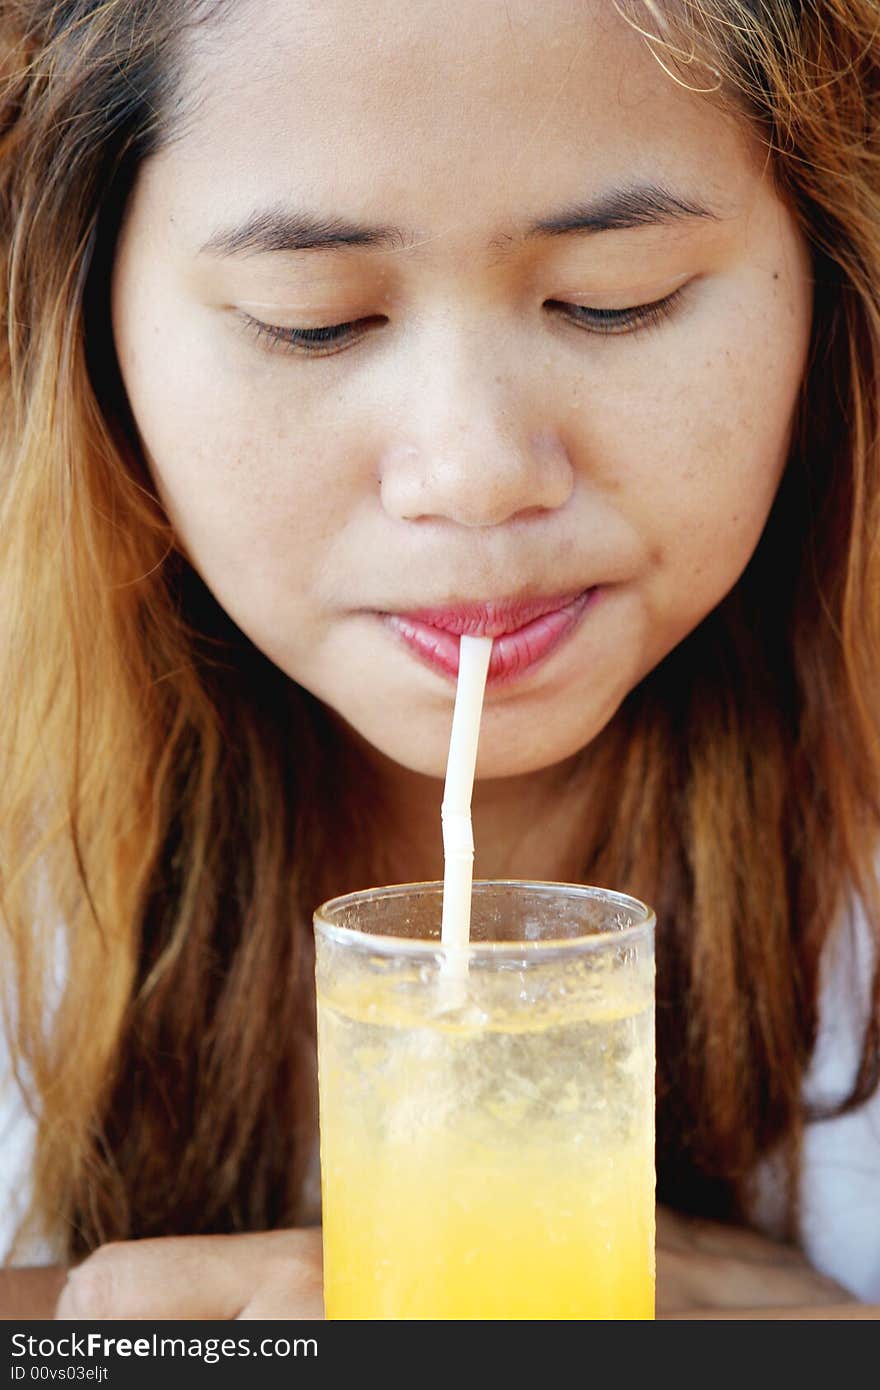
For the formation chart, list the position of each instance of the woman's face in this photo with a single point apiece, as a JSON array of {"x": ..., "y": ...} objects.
[{"x": 494, "y": 426}]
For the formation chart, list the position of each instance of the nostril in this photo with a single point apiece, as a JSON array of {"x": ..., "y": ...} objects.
[{"x": 477, "y": 477}]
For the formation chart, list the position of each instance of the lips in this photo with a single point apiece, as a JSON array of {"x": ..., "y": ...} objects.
[{"x": 525, "y": 631}]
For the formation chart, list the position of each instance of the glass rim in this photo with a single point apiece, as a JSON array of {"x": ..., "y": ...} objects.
[{"x": 421, "y": 946}]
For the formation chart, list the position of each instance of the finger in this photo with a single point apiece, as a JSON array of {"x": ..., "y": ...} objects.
[
  {"x": 680, "y": 1231},
  {"x": 209, "y": 1277},
  {"x": 290, "y": 1288},
  {"x": 185, "y": 1277},
  {"x": 274, "y": 1302},
  {"x": 686, "y": 1281},
  {"x": 808, "y": 1312}
]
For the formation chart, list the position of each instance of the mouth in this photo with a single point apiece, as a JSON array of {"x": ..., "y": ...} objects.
[{"x": 525, "y": 632}]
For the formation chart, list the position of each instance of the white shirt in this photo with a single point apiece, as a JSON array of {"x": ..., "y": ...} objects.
[
  {"x": 17, "y": 1130},
  {"x": 839, "y": 1192},
  {"x": 840, "y": 1174},
  {"x": 18, "y": 1125}
]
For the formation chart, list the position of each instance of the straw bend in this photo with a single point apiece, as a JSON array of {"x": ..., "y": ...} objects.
[{"x": 458, "y": 832}]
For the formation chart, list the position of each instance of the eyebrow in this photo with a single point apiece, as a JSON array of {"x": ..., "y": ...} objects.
[{"x": 619, "y": 209}]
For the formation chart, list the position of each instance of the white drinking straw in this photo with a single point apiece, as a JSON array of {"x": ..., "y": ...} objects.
[{"x": 458, "y": 834}]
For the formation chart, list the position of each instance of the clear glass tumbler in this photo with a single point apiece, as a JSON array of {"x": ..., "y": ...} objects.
[{"x": 487, "y": 1121}]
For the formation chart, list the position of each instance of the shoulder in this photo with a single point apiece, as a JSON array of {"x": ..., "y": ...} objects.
[
  {"x": 840, "y": 1163},
  {"x": 18, "y": 1128},
  {"x": 839, "y": 1178},
  {"x": 847, "y": 969},
  {"x": 19, "y": 1108}
]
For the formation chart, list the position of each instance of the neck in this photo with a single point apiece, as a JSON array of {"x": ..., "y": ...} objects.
[{"x": 529, "y": 827}]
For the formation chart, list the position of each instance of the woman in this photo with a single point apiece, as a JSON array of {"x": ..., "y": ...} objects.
[{"x": 322, "y": 325}]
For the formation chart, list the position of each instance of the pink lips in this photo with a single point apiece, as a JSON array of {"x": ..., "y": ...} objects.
[{"x": 525, "y": 631}]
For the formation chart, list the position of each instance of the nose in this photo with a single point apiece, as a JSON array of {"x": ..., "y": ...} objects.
[{"x": 480, "y": 463}]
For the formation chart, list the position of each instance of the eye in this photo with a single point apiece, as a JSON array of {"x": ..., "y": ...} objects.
[
  {"x": 312, "y": 342},
  {"x": 332, "y": 338},
  {"x": 629, "y": 320}
]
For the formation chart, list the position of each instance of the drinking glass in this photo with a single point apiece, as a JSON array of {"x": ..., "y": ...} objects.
[{"x": 487, "y": 1115}]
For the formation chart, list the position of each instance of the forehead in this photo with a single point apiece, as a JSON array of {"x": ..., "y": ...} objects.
[{"x": 439, "y": 115}]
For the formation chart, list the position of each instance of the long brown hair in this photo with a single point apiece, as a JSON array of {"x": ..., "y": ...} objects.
[{"x": 165, "y": 791}]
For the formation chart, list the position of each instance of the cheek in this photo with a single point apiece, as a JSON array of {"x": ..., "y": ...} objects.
[
  {"x": 695, "y": 442},
  {"x": 240, "y": 470}
]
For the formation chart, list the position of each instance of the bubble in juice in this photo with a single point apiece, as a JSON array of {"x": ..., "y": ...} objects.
[{"x": 494, "y": 1162}]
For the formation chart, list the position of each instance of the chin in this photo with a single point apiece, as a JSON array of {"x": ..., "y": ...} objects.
[{"x": 497, "y": 756}]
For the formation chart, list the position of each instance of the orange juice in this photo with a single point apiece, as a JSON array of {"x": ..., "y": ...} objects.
[
  {"x": 487, "y": 1164},
  {"x": 458, "y": 1234}
]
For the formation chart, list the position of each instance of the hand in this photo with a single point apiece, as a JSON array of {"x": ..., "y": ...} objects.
[
  {"x": 272, "y": 1274},
  {"x": 704, "y": 1267}
]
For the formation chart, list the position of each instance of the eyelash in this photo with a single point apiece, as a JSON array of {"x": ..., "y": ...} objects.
[{"x": 324, "y": 342}]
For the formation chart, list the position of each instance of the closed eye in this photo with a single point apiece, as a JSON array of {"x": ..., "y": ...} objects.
[
  {"x": 629, "y": 320},
  {"x": 332, "y": 338},
  {"x": 313, "y": 342}
]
